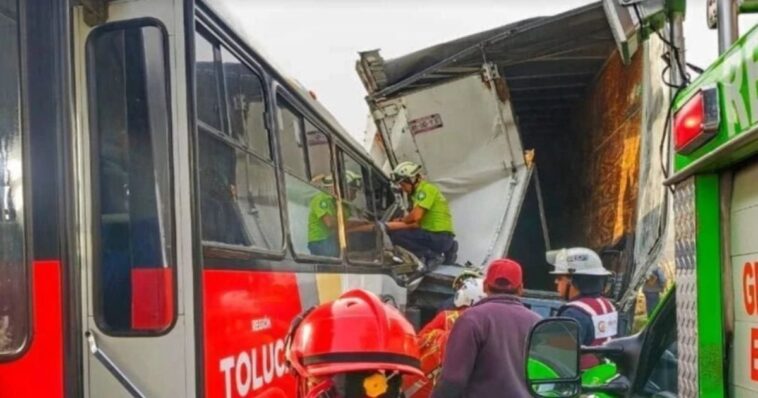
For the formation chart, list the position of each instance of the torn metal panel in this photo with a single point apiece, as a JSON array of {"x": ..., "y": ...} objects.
[{"x": 579, "y": 39}]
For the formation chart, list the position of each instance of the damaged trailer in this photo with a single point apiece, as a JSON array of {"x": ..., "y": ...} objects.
[{"x": 540, "y": 137}]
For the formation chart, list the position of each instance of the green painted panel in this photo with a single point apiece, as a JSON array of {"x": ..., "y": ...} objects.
[
  {"x": 710, "y": 310},
  {"x": 736, "y": 75}
]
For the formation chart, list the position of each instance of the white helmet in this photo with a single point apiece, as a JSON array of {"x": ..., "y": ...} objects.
[
  {"x": 406, "y": 171},
  {"x": 576, "y": 261},
  {"x": 470, "y": 293}
]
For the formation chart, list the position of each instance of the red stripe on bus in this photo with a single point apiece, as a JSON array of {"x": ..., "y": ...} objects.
[
  {"x": 152, "y": 298},
  {"x": 246, "y": 318},
  {"x": 39, "y": 371}
]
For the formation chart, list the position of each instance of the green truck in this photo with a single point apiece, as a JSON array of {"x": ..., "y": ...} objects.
[{"x": 702, "y": 340}]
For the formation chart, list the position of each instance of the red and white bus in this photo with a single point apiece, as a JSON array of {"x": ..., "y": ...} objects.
[{"x": 155, "y": 178}]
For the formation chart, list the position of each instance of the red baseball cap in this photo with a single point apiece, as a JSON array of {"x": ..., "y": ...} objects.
[{"x": 504, "y": 273}]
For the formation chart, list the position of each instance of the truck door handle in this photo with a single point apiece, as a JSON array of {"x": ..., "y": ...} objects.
[{"x": 111, "y": 366}]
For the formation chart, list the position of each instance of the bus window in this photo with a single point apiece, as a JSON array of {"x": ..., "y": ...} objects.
[
  {"x": 363, "y": 238},
  {"x": 14, "y": 300},
  {"x": 311, "y": 194},
  {"x": 238, "y": 193},
  {"x": 208, "y": 94},
  {"x": 381, "y": 194},
  {"x": 245, "y": 105},
  {"x": 291, "y": 139},
  {"x": 133, "y": 229},
  {"x": 319, "y": 152}
]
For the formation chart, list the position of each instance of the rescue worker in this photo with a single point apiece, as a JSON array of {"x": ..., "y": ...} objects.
[
  {"x": 322, "y": 215},
  {"x": 485, "y": 352},
  {"x": 354, "y": 184},
  {"x": 427, "y": 230},
  {"x": 580, "y": 279},
  {"x": 353, "y": 347},
  {"x": 433, "y": 338},
  {"x": 449, "y": 304},
  {"x": 322, "y": 219}
]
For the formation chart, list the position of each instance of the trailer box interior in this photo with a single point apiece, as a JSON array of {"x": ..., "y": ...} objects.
[{"x": 577, "y": 112}]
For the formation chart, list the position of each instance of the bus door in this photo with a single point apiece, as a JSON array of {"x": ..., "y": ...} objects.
[
  {"x": 132, "y": 189},
  {"x": 33, "y": 291}
]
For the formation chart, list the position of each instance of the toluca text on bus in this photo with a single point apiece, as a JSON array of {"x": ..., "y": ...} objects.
[
  {"x": 158, "y": 180},
  {"x": 171, "y": 201},
  {"x": 172, "y": 205}
]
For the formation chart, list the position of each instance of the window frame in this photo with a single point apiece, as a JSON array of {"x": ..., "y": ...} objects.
[
  {"x": 377, "y": 173},
  {"x": 306, "y": 147},
  {"x": 264, "y": 89},
  {"x": 275, "y": 83},
  {"x": 219, "y": 250},
  {"x": 368, "y": 186},
  {"x": 95, "y": 237},
  {"x": 215, "y": 44},
  {"x": 281, "y": 92},
  {"x": 26, "y": 189}
]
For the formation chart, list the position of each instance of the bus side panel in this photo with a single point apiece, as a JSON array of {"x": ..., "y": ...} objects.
[
  {"x": 247, "y": 316},
  {"x": 39, "y": 371}
]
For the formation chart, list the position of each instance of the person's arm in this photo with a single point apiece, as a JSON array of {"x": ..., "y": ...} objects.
[
  {"x": 460, "y": 357},
  {"x": 423, "y": 200},
  {"x": 586, "y": 327},
  {"x": 398, "y": 225},
  {"x": 415, "y": 215},
  {"x": 357, "y": 225},
  {"x": 329, "y": 220}
]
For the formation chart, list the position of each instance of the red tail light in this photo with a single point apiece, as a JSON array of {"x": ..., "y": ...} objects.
[{"x": 697, "y": 121}]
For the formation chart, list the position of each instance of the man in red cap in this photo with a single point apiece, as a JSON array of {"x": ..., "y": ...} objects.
[{"x": 486, "y": 350}]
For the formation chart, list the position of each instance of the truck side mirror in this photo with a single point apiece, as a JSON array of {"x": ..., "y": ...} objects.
[{"x": 552, "y": 368}]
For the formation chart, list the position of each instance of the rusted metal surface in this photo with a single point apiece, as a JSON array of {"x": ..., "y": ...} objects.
[{"x": 611, "y": 116}]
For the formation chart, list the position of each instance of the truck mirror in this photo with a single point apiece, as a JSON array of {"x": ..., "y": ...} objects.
[{"x": 552, "y": 368}]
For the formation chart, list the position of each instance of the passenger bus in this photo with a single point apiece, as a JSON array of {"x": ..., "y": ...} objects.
[{"x": 157, "y": 175}]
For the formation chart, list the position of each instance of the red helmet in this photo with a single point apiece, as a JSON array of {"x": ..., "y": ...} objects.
[{"x": 356, "y": 332}]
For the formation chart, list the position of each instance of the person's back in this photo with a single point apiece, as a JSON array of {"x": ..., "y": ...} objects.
[
  {"x": 433, "y": 338},
  {"x": 485, "y": 353}
]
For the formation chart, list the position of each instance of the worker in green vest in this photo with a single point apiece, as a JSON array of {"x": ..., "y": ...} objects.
[
  {"x": 427, "y": 230},
  {"x": 322, "y": 219},
  {"x": 322, "y": 215}
]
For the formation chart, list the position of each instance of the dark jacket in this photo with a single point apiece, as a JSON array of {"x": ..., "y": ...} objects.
[
  {"x": 586, "y": 326},
  {"x": 485, "y": 354}
]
